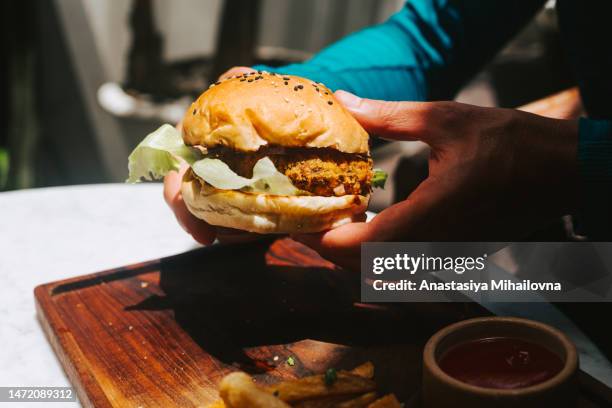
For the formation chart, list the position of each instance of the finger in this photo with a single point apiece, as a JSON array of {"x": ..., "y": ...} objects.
[
  {"x": 199, "y": 230},
  {"x": 235, "y": 71},
  {"x": 398, "y": 120},
  {"x": 424, "y": 216},
  {"x": 413, "y": 219},
  {"x": 349, "y": 231},
  {"x": 234, "y": 236},
  {"x": 172, "y": 184},
  {"x": 341, "y": 245}
]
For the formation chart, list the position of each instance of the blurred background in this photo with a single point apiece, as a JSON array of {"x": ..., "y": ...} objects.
[{"x": 84, "y": 80}]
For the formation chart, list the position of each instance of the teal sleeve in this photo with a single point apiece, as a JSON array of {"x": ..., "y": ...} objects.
[
  {"x": 426, "y": 51},
  {"x": 595, "y": 160}
]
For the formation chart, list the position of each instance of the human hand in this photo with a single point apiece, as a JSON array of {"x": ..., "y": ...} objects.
[
  {"x": 202, "y": 232},
  {"x": 494, "y": 174}
]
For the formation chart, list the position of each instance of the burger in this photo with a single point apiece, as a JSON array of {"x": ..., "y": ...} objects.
[{"x": 268, "y": 153}]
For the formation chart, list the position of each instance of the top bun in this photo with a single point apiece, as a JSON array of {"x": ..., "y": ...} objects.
[{"x": 249, "y": 111}]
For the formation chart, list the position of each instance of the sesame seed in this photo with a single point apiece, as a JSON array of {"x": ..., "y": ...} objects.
[
  {"x": 242, "y": 80},
  {"x": 194, "y": 111},
  {"x": 286, "y": 83},
  {"x": 326, "y": 93},
  {"x": 317, "y": 89},
  {"x": 217, "y": 83},
  {"x": 295, "y": 88},
  {"x": 250, "y": 80},
  {"x": 330, "y": 103},
  {"x": 259, "y": 72},
  {"x": 286, "y": 78},
  {"x": 300, "y": 86}
]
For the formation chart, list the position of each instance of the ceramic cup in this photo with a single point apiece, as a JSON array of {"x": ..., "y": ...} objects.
[{"x": 441, "y": 390}]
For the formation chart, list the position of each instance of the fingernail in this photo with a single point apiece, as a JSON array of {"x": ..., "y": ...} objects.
[{"x": 349, "y": 100}]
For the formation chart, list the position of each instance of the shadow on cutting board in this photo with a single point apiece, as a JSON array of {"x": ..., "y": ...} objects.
[{"x": 232, "y": 297}]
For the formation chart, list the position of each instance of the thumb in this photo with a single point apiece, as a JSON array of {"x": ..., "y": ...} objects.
[{"x": 391, "y": 120}]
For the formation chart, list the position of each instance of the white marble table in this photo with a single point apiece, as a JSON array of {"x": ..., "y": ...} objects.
[{"x": 54, "y": 233}]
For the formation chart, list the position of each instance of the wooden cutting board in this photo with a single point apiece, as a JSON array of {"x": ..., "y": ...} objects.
[{"x": 163, "y": 333}]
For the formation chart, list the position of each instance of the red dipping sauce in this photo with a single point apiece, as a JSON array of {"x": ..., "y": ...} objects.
[{"x": 500, "y": 362}]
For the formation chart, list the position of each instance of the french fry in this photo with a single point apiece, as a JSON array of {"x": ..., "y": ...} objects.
[
  {"x": 388, "y": 401},
  {"x": 314, "y": 387},
  {"x": 239, "y": 391},
  {"x": 326, "y": 402},
  {"x": 217, "y": 404},
  {"x": 360, "y": 402},
  {"x": 342, "y": 389},
  {"x": 366, "y": 370}
]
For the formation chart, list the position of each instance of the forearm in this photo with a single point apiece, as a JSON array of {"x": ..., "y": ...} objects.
[
  {"x": 380, "y": 62},
  {"x": 426, "y": 51}
]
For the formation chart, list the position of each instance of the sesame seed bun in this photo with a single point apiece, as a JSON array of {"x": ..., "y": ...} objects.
[{"x": 247, "y": 112}]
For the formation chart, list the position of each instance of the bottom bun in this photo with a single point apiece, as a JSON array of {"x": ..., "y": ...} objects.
[{"x": 270, "y": 214}]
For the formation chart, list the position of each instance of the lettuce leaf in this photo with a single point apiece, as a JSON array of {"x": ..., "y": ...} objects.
[
  {"x": 163, "y": 150},
  {"x": 379, "y": 178},
  {"x": 158, "y": 154},
  {"x": 266, "y": 179}
]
